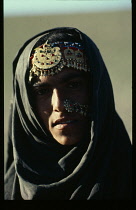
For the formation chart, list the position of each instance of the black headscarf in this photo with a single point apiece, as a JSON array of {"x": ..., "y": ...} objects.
[{"x": 42, "y": 169}]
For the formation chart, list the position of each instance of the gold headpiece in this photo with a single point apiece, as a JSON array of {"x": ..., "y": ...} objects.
[{"x": 49, "y": 59}]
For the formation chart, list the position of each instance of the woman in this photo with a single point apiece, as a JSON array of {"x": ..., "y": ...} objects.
[{"x": 68, "y": 141}]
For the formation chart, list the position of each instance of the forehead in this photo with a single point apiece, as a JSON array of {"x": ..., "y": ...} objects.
[{"x": 65, "y": 75}]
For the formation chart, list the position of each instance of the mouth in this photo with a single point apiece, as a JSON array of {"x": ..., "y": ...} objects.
[{"x": 63, "y": 123}]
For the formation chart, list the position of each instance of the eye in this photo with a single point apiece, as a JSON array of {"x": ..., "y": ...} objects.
[
  {"x": 74, "y": 84},
  {"x": 41, "y": 91}
]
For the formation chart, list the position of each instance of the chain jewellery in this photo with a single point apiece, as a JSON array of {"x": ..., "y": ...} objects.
[{"x": 49, "y": 59}]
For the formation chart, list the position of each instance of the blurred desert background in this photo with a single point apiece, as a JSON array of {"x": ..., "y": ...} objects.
[{"x": 110, "y": 30}]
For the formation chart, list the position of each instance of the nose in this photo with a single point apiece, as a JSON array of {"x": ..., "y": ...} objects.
[{"x": 57, "y": 101}]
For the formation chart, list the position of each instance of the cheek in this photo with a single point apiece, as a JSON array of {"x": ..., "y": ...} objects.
[
  {"x": 43, "y": 110},
  {"x": 83, "y": 97}
]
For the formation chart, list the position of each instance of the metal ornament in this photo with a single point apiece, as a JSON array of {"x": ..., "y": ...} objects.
[
  {"x": 49, "y": 59},
  {"x": 46, "y": 57},
  {"x": 71, "y": 106}
]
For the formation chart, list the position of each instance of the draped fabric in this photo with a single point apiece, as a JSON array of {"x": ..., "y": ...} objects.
[{"x": 38, "y": 168}]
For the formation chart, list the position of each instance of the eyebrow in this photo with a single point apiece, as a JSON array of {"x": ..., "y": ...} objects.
[
  {"x": 43, "y": 84},
  {"x": 66, "y": 78},
  {"x": 63, "y": 79}
]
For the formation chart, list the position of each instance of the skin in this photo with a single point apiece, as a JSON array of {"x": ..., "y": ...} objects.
[{"x": 49, "y": 95}]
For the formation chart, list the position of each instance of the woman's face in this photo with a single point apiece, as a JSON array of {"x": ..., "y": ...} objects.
[{"x": 50, "y": 92}]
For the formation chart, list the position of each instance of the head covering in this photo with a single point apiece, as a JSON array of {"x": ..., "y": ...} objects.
[{"x": 42, "y": 169}]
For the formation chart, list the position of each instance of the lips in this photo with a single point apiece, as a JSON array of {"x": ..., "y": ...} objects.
[{"x": 64, "y": 122}]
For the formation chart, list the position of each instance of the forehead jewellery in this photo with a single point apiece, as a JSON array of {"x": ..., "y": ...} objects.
[{"x": 49, "y": 59}]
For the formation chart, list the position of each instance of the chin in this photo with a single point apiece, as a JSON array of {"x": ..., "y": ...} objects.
[{"x": 66, "y": 140}]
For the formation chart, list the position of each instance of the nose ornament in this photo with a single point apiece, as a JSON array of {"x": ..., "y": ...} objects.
[{"x": 71, "y": 106}]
